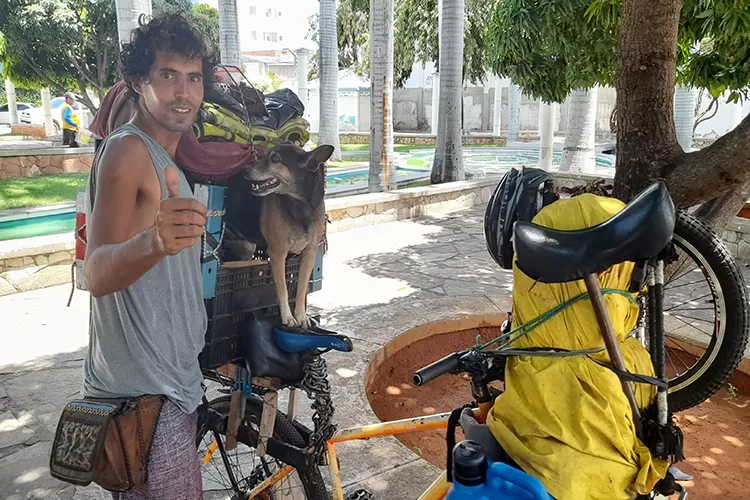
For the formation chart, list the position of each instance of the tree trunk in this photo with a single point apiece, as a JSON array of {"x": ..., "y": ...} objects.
[
  {"x": 229, "y": 33},
  {"x": 647, "y": 147},
  {"x": 646, "y": 68},
  {"x": 448, "y": 163},
  {"x": 514, "y": 112},
  {"x": 328, "y": 129},
  {"x": 382, "y": 175},
  {"x": 580, "y": 136}
]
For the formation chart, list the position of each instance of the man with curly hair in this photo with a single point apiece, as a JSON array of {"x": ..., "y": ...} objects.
[{"x": 142, "y": 265}]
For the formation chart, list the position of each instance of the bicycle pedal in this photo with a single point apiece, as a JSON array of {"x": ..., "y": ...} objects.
[{"x": 360, "y": 494}]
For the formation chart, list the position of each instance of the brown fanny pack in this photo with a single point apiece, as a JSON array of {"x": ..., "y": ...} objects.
[{"x": 107, "y": 441}]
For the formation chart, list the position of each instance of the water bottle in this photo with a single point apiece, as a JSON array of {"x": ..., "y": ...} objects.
[{"x": 476, "y": 478}]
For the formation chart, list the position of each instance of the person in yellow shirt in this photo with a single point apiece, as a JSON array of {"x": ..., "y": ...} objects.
[{"x": 69, "y": 121}]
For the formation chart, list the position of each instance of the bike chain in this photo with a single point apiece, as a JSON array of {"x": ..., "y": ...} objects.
[{"x": 318, "y": 389}]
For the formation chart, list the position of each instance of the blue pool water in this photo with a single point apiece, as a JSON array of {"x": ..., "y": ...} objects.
[{"x": 38, "y": 226}]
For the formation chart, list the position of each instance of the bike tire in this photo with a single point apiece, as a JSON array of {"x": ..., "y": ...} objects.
[
  {"x": 284, "y": 431},
  {"x": 719, "y": 362}
]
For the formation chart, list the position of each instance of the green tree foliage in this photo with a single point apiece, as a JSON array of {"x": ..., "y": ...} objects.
[
  {"x": 550, "y": 47},
  {"x": 204, "y": 18},
  {"x": 61, "y": 44},
  {"x": 72, "y": 44}
]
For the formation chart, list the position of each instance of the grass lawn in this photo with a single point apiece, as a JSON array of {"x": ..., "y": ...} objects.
[{"x": 42, "y": 190}]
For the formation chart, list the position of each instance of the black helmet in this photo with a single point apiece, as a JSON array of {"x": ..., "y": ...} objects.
[{"x": 518, "y": 196}]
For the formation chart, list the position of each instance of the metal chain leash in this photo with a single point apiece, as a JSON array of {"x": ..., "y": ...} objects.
[
  {"x": 318, "y": 389},
  {"x": 206, "y": 250}
]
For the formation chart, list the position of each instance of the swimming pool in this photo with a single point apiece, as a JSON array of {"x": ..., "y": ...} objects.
[
  {"x": 411, "y": 165},
  {"x": 38, "y": 226}
]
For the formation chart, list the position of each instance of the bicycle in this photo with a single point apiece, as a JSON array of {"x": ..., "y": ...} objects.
[{"x": 647, "y": 231}]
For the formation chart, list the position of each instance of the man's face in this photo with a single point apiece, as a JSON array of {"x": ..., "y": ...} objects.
[
  {"x": 173, "y": 91},
  {"x": 70, "y": 100}
]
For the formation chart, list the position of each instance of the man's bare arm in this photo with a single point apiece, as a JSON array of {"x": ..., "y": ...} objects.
[{"x": 115, "y": 258}]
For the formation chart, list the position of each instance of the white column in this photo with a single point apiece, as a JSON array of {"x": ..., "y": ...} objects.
[
  {"x": 684, "y": 115},
  {"x": 547, "y": 134},
  {"x": 435, "y": 102},
  {"x": 514, "y": 111},
  {"x": 10, "y": 91},
  {"x": 302, "y": 75},
  {"x": 128, "y": 12},
  {"x": 229, "y": 33},
  {"x": 497, "y": 117},
  {"x": 49, "y": 126}
]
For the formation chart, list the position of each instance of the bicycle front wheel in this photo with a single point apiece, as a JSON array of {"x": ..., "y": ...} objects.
[
  {"x": 706, "y": 315},
  {"x": 238, "y": 471}
]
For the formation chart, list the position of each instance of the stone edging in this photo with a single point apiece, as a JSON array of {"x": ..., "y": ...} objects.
[{"x": 375, "y": 208}]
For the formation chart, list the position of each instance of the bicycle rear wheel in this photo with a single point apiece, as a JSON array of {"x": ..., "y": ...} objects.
[
  {"x": 238, "y": 471},
  {"x": 706, "y": 315}
]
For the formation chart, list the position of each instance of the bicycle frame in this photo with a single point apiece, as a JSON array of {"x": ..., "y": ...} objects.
[{"x": 437, "y": 490}]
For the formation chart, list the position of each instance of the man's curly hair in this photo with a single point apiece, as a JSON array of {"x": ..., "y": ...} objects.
[{"x": 171, "y": 33}]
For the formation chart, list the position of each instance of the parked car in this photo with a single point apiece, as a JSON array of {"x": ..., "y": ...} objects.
[
  {"x": 20, "y": 108},
  {"x": 36, "y": 115}
]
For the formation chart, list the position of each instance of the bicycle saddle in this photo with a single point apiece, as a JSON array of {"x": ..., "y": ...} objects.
[
  {"x": 292, "y": 339},
  {"x": 639, "y": 232}
]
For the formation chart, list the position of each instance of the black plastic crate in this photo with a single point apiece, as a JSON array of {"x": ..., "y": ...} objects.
[
  {"x": 250, "y": 287},
  {"x": 222, "y": 351},
  {"x": 219, "y": 353},
  {"x": 225, "y": 326},
  {"x": 223, "y": 340}
]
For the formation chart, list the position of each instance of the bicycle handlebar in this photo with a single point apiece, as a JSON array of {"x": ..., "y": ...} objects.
[{"x": 440, "y": 367}]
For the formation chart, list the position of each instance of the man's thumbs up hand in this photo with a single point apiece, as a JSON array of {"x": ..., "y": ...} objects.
[{"x": 179, "y": 221}]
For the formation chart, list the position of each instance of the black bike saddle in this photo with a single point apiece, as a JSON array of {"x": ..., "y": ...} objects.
[{"x": 639, "y": 232}]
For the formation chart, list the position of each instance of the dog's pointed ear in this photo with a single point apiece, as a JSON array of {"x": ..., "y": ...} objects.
[{"x": 317, "y": 157}]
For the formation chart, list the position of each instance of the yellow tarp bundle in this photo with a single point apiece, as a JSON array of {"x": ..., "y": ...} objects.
[
  {"x": 215, "y": 122},
  {"x": 566, "y": 420}
]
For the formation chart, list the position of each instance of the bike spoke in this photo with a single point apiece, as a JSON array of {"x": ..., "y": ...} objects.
[
  {"x": 688, "y": 301},
  {"x": 669, "y": 358},
  {"x": 673, "y": 287},
  {"x": 675, "y": 352},
  {"x": 681, "y": 266},
  {"x": 680, "y": 316}
]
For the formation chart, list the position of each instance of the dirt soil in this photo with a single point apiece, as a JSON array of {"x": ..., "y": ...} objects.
[{"x": 717, "y": 432}]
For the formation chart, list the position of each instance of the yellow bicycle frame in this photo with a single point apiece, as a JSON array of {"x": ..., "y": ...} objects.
[{"x": 437, "y": 490}]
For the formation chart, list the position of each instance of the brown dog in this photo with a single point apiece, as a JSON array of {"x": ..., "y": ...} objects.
[{"x": 292, "y": 216}]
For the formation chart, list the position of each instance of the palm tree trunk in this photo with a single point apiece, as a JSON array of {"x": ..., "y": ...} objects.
[
  {"x": 229, "y": 33},
  {"x": 448, "y": 164},
  {"x": 580, "y": 136},
  {"x": 382, "y": 175},
  {"x": 546, "y": 134},
  {"x": 514, "y": 112},
  {"x": 684, "y": 115},
  {"x": 128, "y": 12},
  {"x": 328, "y": 129}
]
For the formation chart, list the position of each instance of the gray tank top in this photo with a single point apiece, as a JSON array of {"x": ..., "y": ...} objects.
[{"x": 146, "y": 339}]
